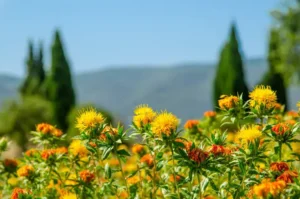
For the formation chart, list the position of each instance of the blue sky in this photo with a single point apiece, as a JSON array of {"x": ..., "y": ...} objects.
[{"x": 101, "y": 33}]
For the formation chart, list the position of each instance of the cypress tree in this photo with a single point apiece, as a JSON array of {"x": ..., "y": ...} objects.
[
  {"x": 59, "y": 88},
  {"x": 229, "y": 79},
  {"x": 30, "y": 64},
  {"x": 273, "y": 77}
]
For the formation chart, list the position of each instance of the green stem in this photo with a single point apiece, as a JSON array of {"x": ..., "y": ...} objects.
[
  {"x": 198, "y": 177},
  {"x": 174, "y": 174},
  {"x": 121, "y": 168}
]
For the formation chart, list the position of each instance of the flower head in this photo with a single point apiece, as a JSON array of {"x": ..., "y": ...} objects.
[
  {"x": 249, "y": 134},
  {"x": 88, "y": 119},
  {"x": 280, "y": 128},
  {"x": 197, "y": 155},
  {"x": 133, "y": 180},
  {"x": 165, "y": 123},
  {"x": 228, "y": 102},
  {"x": 61, "y": 150},
  {"x": 147, "y": 159},
  {"x": 191, "y": 124},
  {"x": 210, "y": 114},
  {"x": 262, "y": 96},
  {"x": 10, "y": 163},
  {"x": 137, "y": 148},
  {"x": 288, "y": 176},
  {"x": 25, "y": 171},
  {"x": 47, "y": 153},
  {"x": 86, "y": 176},
  {"x": 293, "y": 114},
  {"x": 18, "y": 192},
  {"x": 219, "y": 150},
  {"x": 187, "y": 144},
  {"x": 267, "y": 187},
  {"x": 279, "y": 166},
  {"x": 45, "y": 128},
  {"x": 78, "y": 149},
  {"x": 143, "y": 115},
  {"x": 31, "y": 152}
]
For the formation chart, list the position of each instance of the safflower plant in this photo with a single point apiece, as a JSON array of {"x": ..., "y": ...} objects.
[{"x": 244, "y": 150}]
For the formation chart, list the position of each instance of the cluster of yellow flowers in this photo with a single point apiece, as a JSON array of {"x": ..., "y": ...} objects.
[{"x": 241, "y": 150}]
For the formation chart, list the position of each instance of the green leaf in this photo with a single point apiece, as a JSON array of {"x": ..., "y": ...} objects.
[
  {"x": 106, "y": 152},
  {"x": 107, "y": 171},
  {"x": 123, "y": 152}
]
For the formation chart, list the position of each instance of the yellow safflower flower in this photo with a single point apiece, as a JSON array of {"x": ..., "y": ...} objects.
[
  {"x": 143, "y": 115},
  {"x": 89, "y": 118},
  {"x": 228, "y": 102},
  {"x": 249, "y": 134},
  {"x": 164, "y": 123},
  {"x": 267, "y": 187},
  {"x": 262, "y": 95},
  {"x": 25, "y": 171},
  {"x": 77, "y": 148}
]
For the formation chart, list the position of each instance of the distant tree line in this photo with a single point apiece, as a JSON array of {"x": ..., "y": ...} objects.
[{"x": 230, "y": 75}]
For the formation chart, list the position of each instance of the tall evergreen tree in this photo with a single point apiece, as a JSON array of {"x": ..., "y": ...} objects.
[
  {"x": 273, "y": 77},
  {"x": 30, "y": 65},
  {"x": 229, "y": 79},
  {"x": 59, "y": 88},
  {"x": 40, "y": 72}
]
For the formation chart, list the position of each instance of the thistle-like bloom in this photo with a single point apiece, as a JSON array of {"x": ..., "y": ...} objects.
[
  {"x": 89, "y": 119},
  {"x": 147, "y": 159},
  {"x": 191, "y": 124},
  {"x": 228, "y": 102},
  {"x": 31, "y": 152},
  {"x": 165, "y": 123},
  {"x": 249, "y": 134},
  {"x": 61, "y": 150},
  {"x": 143, "y": 115},
  {"x": 18, "y": 192},
  {"x": 279, "y": 166},
  {"x": 293, "y": 114},
  {"x": 267, "y": 187},
  {"x": 47, "y": 153},
  {"x": 210, "y": 114},
  {"x": 77, "y": 148},
  {"x": 280, "y": 128},
  {"x": 288, "y": 176},
  {"x": 25, "y": 171},
  {"x": 262, "y": 96},
  {"x": 197, "y": 155},
  {"x": 137, "y": 148},
  {"x": 45, "y": 128},
  {"x": 219, "y": 150},
  {"x": 86, "y": 176},
  {"x": 133, "y": 180},
  {"x": 10, "y": 163},
  {"x": 110, "y": 130}
]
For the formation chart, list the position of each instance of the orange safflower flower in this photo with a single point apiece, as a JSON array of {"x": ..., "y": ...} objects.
[
  {"x": 48, "y": 153},
  {"x": 10, "y": 163},
  {"x": 219, "y": 150},
  {"x": 210, "y": 114},
  {"x": 280, "y": 128},
  {"x": 17, "y": 192},
  {"x": 108, "y": 129},
  {"x": 31, "y": 152},
  {"x": 288, "y": 176},
  {"x": 86, "y": 176},
  {"x": 293, "y": 114},
  {"x": 57, "y": 132},
  {"x": 147, "y": 159},
  {"x": 137, "y": 148},
  {"x": 197, "y": 155},
  {"x": 45, "y": 128},
  {"x": 25, "y": 171},
  {"x": 279, "y": 166},
  {"x": 228, "y": 102},
  {"x": 93, "y": 144},
  {"x": 190, "y": 124}
]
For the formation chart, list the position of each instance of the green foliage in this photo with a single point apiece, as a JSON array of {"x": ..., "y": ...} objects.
[
  {"x": 273, "y": 77},
  {"x": 58, "y": 86},
  {"x": 288, "y": 19},
  {"x": 72, "y": 131},
  {"x": 229, "y": 79},
  {"x": 17, "y": 118}
]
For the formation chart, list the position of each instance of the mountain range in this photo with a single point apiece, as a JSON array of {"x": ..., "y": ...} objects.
[{"x": 184, "y": 89}]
